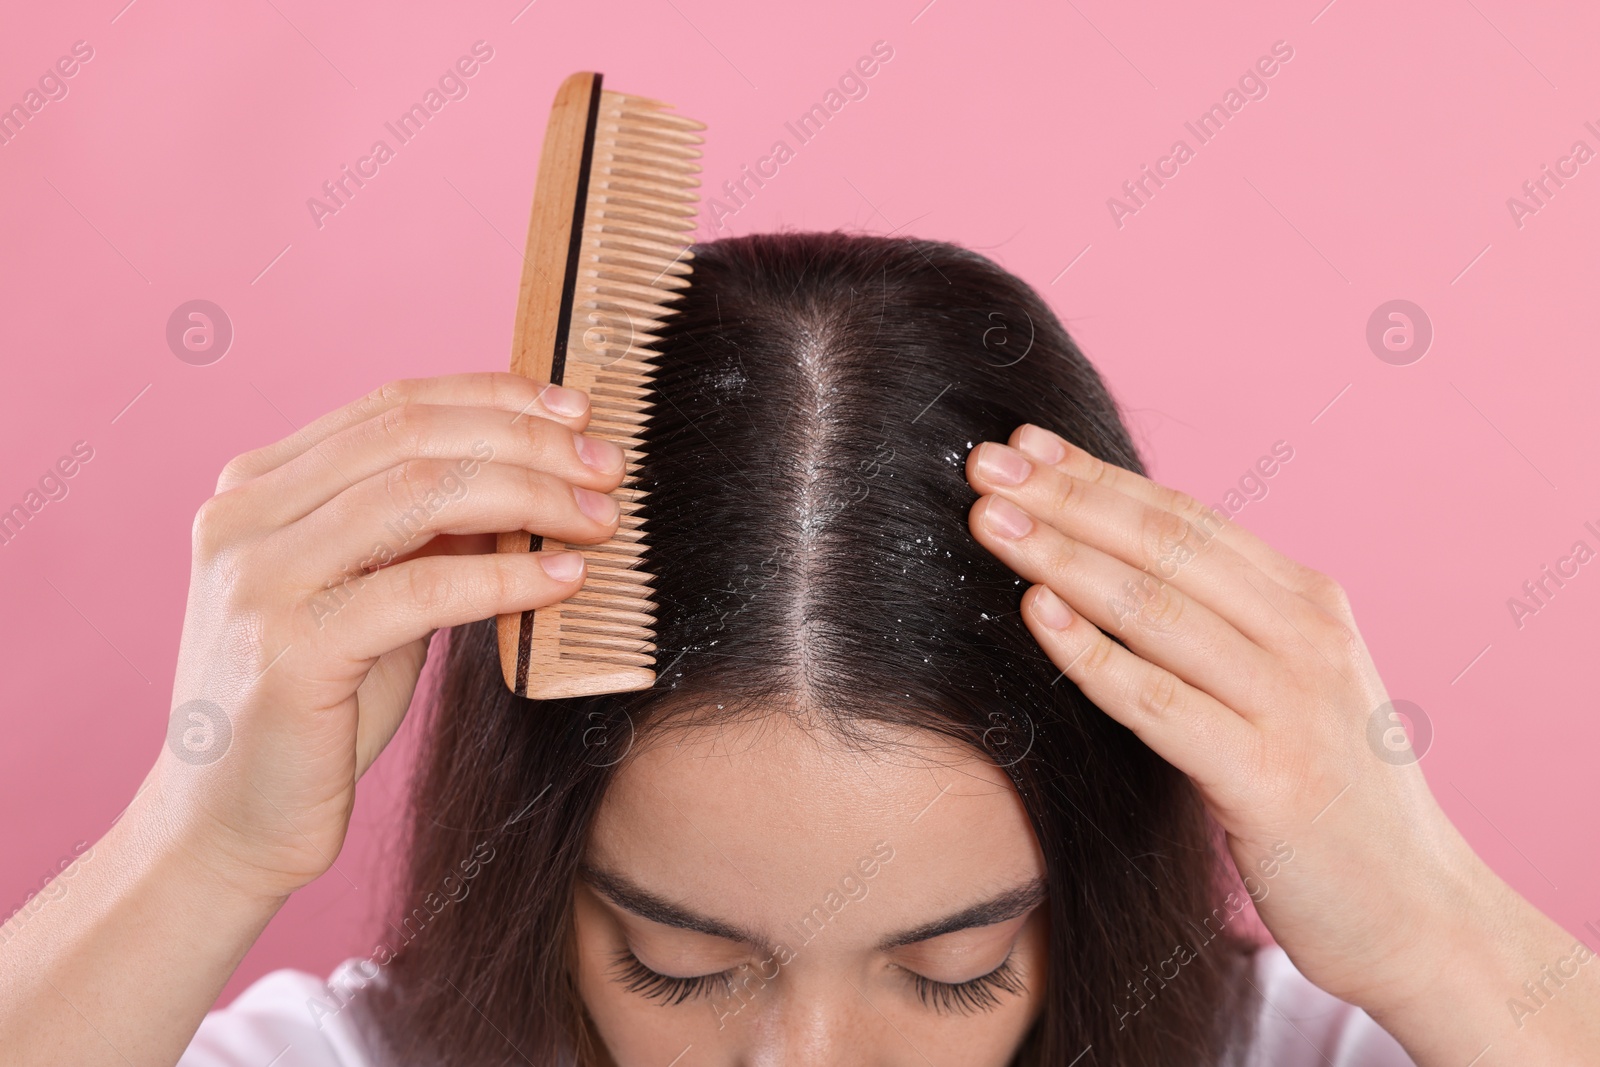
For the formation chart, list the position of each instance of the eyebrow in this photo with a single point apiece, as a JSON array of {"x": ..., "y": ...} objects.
[
  {"x": 1011, "y": 904},
  {"x": 631, "y": 897}
]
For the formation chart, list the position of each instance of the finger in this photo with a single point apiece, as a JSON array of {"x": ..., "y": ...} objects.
[
  {"x": 422, "y": 431},
  {"x": 500, "y": 390},
  {"x": 1184, "y": 726},
  {"x": 383, "y": 697},
  {"x": 400, "y": 604},
  {"x": 398, "y": 511},
  {"x": 1054, "y": 450},
  {"x": 1158, "y": 621},
  {"x": 1162, "y": 544}
]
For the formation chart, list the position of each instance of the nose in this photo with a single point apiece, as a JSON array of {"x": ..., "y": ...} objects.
[{"x": 819, "y": 1025}]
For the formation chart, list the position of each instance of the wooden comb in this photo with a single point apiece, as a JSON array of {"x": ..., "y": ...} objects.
[{"x": 608, "y": 246}]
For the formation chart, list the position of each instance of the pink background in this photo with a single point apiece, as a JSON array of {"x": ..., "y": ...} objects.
[{"x": 1228, "y": 313}]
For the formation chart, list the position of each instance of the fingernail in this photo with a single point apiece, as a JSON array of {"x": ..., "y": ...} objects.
[
  {"x": 1052, "y": 610},
  {"x": 562, "y": 566},
  {"x": 598, "y": 506},
  {"x": 564, "y": 401},
  {"x": 1006, "y": 519},
  {"x": 1041, "y": 444},
  {"x": 603, "y": 456},
  {"x": 1001, "y": 465}
]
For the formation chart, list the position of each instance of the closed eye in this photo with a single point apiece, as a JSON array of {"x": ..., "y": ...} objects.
[
  {"x": 974, "y": 995},
  {"x": 635, "y": 977}
]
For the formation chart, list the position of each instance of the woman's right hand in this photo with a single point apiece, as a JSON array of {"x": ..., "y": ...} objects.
[{"x": 296, "y": 664}]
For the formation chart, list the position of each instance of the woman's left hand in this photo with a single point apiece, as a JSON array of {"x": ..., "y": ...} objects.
[{"x": 1246, "y": 671}]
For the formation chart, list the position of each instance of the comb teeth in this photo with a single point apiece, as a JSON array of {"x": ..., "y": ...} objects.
[
  {"x": 634, "y": 257},
  {"x": 638, "y": 183}
]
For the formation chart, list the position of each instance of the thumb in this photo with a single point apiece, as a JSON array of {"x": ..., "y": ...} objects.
[{"x": 383, "y": 697}]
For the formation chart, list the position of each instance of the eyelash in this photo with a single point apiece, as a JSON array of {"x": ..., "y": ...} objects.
[
  {"x": 637, "y": 978},
  {"x": 973, "y": 995}
]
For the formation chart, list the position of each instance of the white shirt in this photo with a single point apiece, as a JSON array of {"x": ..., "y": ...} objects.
[{"x": 276, "y": 1021}]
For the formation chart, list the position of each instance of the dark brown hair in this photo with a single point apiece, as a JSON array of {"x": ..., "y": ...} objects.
[{"x": 818, "y": 395}]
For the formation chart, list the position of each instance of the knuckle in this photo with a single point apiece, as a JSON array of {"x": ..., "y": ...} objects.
[
  {"x": 1098, "y": 654},
  {"x": 539, "y": 486},
  {"x": 546, "y": 441},
  {"x": 1094, "y": 469},
  {"x": 1204, "y": 518},
  {"x": 227, "y": 479},
  {"x": 406, "y": 482},
  {"x": 399, "y": 482},
  {"x": 501, "y": 584},
  {"x": 1347, "y": 644},
  {"x": 1180, "y": 503},
  {"x": 1328, "y": 594},
  {"x": 511, "y": 391},
  {"x": 390, "y": 394},
  {"x": 429, "y": 587},
  {"x": 1064, "y": 554},
  {"x": 213, "y": 526},
  {"x": 395, "y": 391},
  {"x": 1158, "y": 696},
  {"x": 1064, "y": 493},
  {"x": 1163, "y": 609},
  {"x": 1129, "y": 600},
  {"x": 1164, "y": 537},
  {"x": 236, "y": 471},
  {"x": 402, "y": 427},
  {"x": 413, "y": 492}
]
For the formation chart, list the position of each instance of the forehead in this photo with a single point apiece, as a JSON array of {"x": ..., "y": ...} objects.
[{"x": 759, "y": 820}]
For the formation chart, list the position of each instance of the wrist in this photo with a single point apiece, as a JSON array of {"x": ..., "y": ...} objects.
[
  {"x": 1448, "y": 994},
  {"x": 142, "y": 904},
  {"x": 1453, "y": 914},
  {"x": 195, "y": 851}
]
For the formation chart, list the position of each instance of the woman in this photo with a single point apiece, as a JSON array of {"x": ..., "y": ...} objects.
[{"x": 960, "y": 752}]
